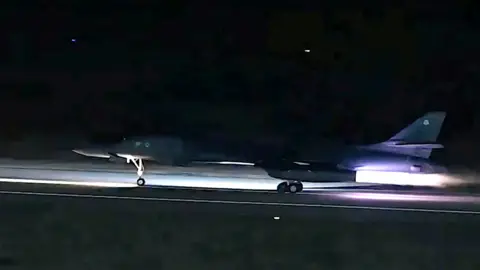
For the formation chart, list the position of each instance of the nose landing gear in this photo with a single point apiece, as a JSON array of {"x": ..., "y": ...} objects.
[{"x": 138, "y": 162}]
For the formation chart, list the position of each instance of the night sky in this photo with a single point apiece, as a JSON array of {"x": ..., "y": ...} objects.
[{"x": 240, "y": 70}]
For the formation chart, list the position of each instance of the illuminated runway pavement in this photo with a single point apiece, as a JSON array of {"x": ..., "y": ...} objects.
[
  {"x": 358, "y": 204},
  {"x": 98, "y": 173}
]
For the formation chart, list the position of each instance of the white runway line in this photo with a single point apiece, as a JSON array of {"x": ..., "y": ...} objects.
[{"x": 258, "y": 203}]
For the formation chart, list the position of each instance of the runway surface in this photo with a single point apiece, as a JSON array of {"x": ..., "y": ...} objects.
[
  {"x": 120, "y": 192},
  {"x": 101, "y": 173}
]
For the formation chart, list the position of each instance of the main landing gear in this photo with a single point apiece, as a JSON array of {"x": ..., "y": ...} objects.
[
  {"x": 289, "y": 187},
  {"x": 138, "y": 162}
]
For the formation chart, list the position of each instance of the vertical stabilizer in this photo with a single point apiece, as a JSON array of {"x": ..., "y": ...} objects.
[
  {"x": 425, "y": 129},
  {"x": 418, "y": 139}
]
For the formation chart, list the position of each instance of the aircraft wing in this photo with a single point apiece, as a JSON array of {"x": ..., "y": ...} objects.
[{"x": 97, "y": 153}]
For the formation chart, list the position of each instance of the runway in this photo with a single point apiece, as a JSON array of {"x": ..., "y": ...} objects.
[
  {"x": 120, "y": 192},
  {"x": 105, "y": 174}
]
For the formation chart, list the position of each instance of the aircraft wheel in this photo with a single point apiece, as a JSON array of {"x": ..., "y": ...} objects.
[
  {"x": 295, "y": 187},
  {"x": 140, "y": 182},
  {"x": 282, "y": 187},
  {"x": 300, "y": 187}
]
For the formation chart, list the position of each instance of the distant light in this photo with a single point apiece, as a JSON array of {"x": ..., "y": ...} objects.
[
  {"x": 74, "y": 40},
  {"x": 276, "y": 218},
  {"x": 307, "y": 50}
]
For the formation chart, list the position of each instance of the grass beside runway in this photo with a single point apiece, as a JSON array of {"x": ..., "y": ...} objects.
[{"x": 83, "y": 234}]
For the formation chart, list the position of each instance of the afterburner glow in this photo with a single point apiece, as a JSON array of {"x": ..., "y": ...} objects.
[{"x": 402, "y": 178}]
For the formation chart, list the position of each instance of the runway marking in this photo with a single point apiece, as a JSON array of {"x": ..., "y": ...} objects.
[{"x": 205, "y": 201}]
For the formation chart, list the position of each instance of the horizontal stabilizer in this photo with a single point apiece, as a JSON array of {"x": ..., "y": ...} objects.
[{"x": 413, "y": 144}]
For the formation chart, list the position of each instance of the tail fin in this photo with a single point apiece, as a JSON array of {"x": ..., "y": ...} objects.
[
  {"x": 425, "y": 129},
  {"x": 418, "y": 139}
]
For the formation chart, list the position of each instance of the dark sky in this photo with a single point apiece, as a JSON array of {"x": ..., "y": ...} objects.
[{"x": 240, "y": 70}]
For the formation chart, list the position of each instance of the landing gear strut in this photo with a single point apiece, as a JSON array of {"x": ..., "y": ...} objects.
[
  {"x": 138, "y": 162},
  {"x": 292, "y": 187}
]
